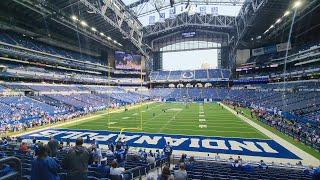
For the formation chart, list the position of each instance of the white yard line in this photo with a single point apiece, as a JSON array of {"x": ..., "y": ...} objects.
[
  {"x": 170, "y": 120},
  {"x": 306, "y": 157},
  {"x": 77, "y": 120}
]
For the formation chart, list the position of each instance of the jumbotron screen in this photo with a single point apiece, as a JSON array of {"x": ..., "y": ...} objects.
[{"x": 127, "y": 61}]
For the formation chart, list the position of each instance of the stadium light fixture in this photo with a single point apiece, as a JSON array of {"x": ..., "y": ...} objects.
[
  {"x": 115, "y": 41},
  {"x": 101, "y": 34},
  {"x": 286, "y": 13},
  {"x": 297, "y": 4},
  {"x": 74, "y": 18},
  {"x": 109, "y": 38},
  {"x": 84, "y": 24},
  {"x": 93, "y": 29},
  {"x": 278, "y": 20}
]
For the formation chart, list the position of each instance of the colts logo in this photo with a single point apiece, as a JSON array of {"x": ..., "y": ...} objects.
[{"x": 187, "y": 75}]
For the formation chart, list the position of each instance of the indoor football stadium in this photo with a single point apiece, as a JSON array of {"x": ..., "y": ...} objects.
[{"x": 160, "y": 89}]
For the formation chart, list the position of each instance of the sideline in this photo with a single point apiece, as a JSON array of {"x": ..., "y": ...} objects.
[
  {"x": 88, "y": 117},
  {"x": 306, "y": 157}
]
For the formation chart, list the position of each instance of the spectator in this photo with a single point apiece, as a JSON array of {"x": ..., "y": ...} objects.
[
  {"x": 236, "y": 164},
  {"x": 76, "y": 161},
  {"x": 120, "y": 156},
  {"x": 68, "y": 142},
  {"x": 165, "y": 174},
  {"x": 97, "y": 154},
  {"x": 263, "y": 165},
  {"x": 190, "y": 164},
  {"x": 34, "y": 140},
  {"x": 168, "y": 152},
  {"x": 217, "y": 157},
  {"x": 150, "y": 159},
  {"x": 53, "y": 146},
  {"x": 299, "y": 163},
  {"x": 61, "y": 145},
  {"x": 181, "y": 174},
  {"x": 183, "y": 158},
  {"x": 103, "y": 170},
  {"x": 115, "y": 170},
  {"x": 24, "y": 147},
  {"x": 44, "y": 167}
]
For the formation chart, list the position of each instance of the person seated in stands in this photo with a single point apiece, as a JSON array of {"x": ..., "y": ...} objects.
[
  {"x": 181, "y": 174},
  {"x": 217, "y": 157},
  {"x": 236, "y": 164},
  {"x": 263, "y": 165},
  {"x": 240, "y": 160},
  {"x": 190, "y": 164},
  {"x": 24, "y": 147},
  {"x": 165, "y": 174},
  {"x": 103, "y": 170},
  {"x": 76, "y": 161},
  {"x": 299, "y": 163},
  {"x": 231, "y": 159},
  {"x": 115, "y": 170},
  {"x": 44, "y": 167},
  {"x": 150, "y": 159}
]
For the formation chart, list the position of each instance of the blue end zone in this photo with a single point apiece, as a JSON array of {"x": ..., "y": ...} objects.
[{"x": 239, "y": 146}]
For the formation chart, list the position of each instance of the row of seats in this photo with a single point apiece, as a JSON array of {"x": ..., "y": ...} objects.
[{"x": 190, "y": 75}]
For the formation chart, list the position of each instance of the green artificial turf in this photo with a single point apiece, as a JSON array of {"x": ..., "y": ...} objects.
[{"x": 179, "y": 118}]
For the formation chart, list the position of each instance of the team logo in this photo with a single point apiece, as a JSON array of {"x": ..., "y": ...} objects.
[{"x": 187, "y": 75}]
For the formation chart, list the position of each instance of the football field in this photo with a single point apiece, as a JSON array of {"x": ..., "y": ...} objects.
[
  {"x": 208, "y": 119},
  {"x": 196, "y": 128}
]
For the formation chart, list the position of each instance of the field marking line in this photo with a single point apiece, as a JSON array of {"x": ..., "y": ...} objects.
[
  {"x": 208, "y": 130},
  {"x": 79, "y": 119},
  {"x": 169, "y": 121},
  {"x": 306, "y": 157}
]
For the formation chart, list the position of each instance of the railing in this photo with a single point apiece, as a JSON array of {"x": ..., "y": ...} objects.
[
  {"x": 138, "y": 172},
  {"x": 14, "y": 163}
]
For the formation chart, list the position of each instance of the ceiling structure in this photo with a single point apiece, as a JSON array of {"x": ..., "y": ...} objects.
[{"x": 146, "y": 7}]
